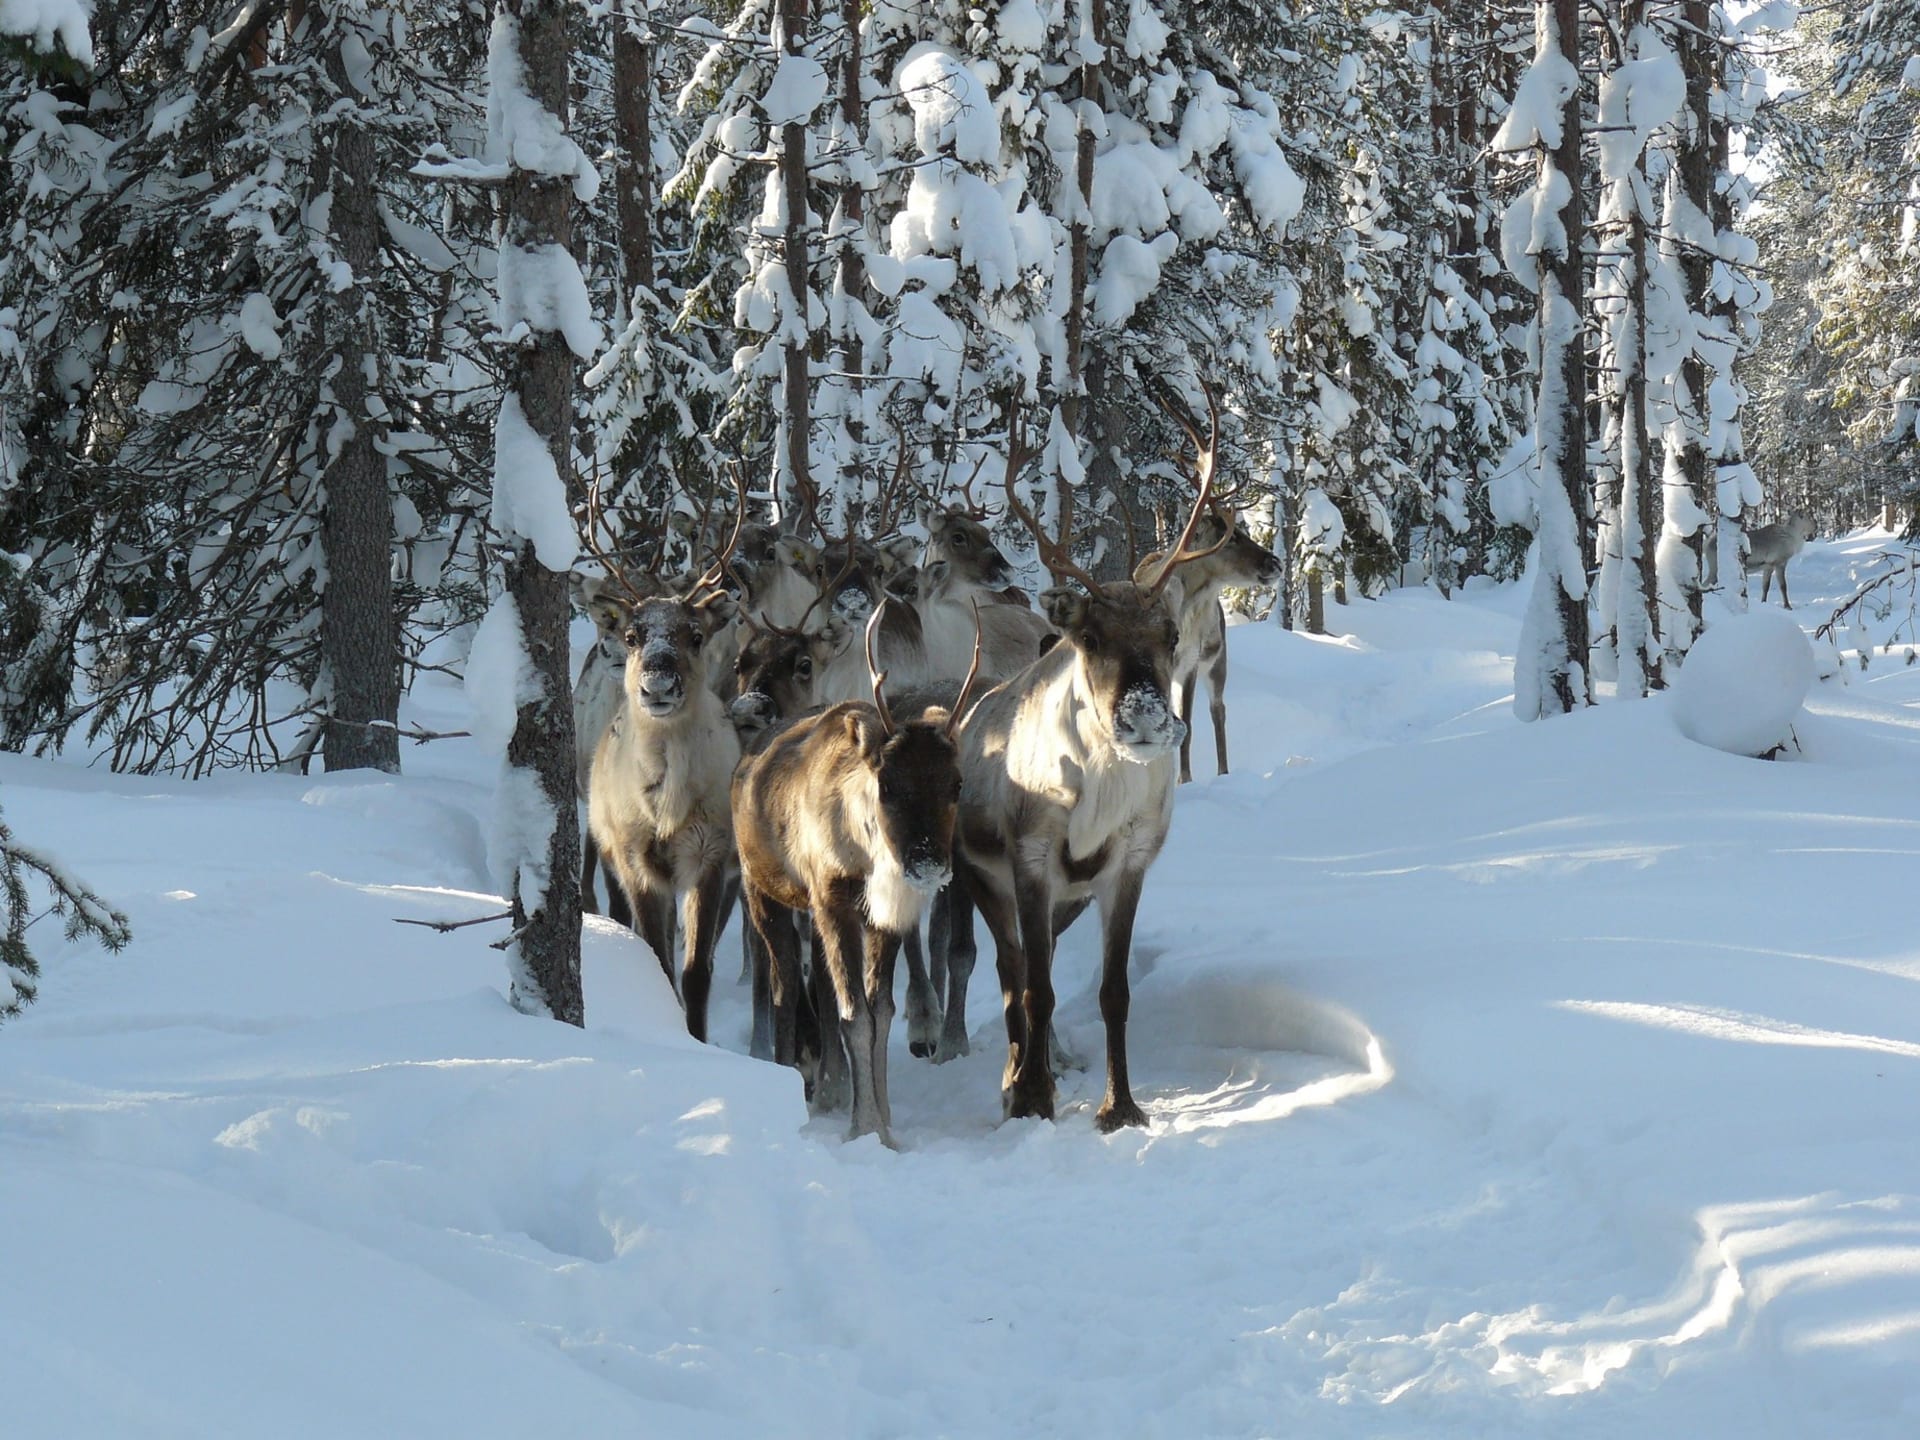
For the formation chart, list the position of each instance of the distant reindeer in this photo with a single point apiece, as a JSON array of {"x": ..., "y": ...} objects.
[
  {"x": 1232, "y": 557},
  {"x": 848, "y": 815},
  {"x": 658, "y": 801},
  {"x": 1770, "y": 547},
  {"x": 1067, "y": 793}
]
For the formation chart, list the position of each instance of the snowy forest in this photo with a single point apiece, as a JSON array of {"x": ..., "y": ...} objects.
[{"x": 411, "y": 410}]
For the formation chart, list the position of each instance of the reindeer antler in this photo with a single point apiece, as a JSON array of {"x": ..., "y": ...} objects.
[
  {"x": 595, "y": 517},
  {"x": 966, "y": 685},
  {"x": 1204, "y": 454},
  {"x": 878, "y": 676},
  {"x": 973, "y": 509},
  {"x": 1056, "y": 555},
  {"x": 722, "y": 568}
]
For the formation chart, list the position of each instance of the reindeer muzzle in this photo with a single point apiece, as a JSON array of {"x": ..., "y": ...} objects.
[
  {"x": 754, "y": 710},
  {"x": 661, "y": 691},
  {"x": 1144, "y": 725},
  {"x": 853, "y": 604}
]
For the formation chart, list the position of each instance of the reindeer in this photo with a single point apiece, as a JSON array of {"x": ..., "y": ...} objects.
[
  {"x": 1232, "y": 557},
  {"x": 848, "y": 814},
  {"x": 1067, "y": 792},
  {"x": 597, "y": 697},
  {"x": 1770, "y": 547},
  {"x": 658, "y": 802}
]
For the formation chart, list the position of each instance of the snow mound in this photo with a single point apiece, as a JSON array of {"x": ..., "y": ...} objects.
[{"x": 1744, "y": 682}]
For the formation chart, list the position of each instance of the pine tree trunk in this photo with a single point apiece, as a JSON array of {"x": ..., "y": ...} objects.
[
  {"x": 1700, "y": 59},
  {"x": 1554, "y": 641},
  {"x": 358, "y": 637},
  {"x": 1080, "y": 249},
  {"x": 633, "y": 157},
  {"x": 538, "y": 212},
  {"x": 796, "y": 386}
]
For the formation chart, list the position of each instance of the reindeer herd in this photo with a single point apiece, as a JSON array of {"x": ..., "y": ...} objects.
[{"x": 849, "y": 736}]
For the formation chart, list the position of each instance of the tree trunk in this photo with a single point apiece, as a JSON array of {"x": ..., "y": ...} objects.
[
  {"x": 539, "y": 212},
  {"x": 1551, "y": 671},
  {"x": 633, "y": 156},
  {"x": 1080, "y": 248},
  {"x": 796, "y": 386},
  {"x": 1700, "y": 59},
  {"x": 358, "y": 637}
]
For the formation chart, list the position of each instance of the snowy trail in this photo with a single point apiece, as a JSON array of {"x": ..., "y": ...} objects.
[{"x": 1503, "y": 1081}]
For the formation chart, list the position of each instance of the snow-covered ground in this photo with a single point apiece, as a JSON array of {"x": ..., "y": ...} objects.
[{"x": 1536, "y": 1080}]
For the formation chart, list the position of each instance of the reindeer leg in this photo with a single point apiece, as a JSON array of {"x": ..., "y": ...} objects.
[
  {"x": 1003, "y": 923},
  {"x": 772, "y": 1039},
  {"x": 1217, "y": 708},
  {"x": 923, "y": 1005},
  {"x": 833, "y": 1090},
  {"x": 1062, "y": 1056},
  {"x": 589, "y": 867},
  {"x": 653, "y": 910},
  {"x": 619, "y": 907},
  {"x": 960, "y": 957},
  {"x": 1187, "y": 685},
  {"x": 1117, "y": 912},
  {"x": 1788, "y": 604},
  {"x": 1032, "y": 1093},
  {"x": 939, "y": 939},
  {"x": 882, "y": 950},
  {"x": 843, "y": 938},
  {"x": 702, "y": 920}
]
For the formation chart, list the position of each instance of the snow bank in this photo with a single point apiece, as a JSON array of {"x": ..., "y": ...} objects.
[{"x": 1744, "y": 682}]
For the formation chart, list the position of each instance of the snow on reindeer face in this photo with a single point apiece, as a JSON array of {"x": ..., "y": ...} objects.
[
  {"x": 1124, "y": 639},
  {"x": 666, "y": 651}
]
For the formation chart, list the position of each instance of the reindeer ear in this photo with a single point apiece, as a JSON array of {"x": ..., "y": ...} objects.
[
  {"x": 582, "y": 588},
  {"x": 795, "y": 553},
  {"x": 717, "y": 609},
  {"x": 609, "y": 615},
  {"x": 863, "y": 729},
  {"x": 1063, "y": 606},
  {"x": 681, "y": 523},
  {"x": 900, "y": 551}
]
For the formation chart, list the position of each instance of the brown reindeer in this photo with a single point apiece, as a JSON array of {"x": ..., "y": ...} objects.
[
  {"x": 658, "y": 804},
  {"x": 849, "y": 815},
  {"x": 1067, "y": 792}
]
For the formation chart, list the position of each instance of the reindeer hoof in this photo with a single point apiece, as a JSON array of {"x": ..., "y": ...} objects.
[
  {"x": 1028, "y": 1103},
  {"x": 952, "y": 1046},
  {"x": 1117, "y": 1114},
  {"x": 921, "y": 1049}
]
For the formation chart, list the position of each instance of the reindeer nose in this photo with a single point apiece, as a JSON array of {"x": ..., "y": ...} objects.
[
  {"x": 755, "y": 708},
  {"x": 853, "y": 603}
]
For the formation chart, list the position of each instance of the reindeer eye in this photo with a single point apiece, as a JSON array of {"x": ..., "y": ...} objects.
[
  {"x": 695, "y": 640},
  {"x": 1089, "y": 642},
  {"x": 631, "y": 638},
  {"x": 803, "y": 668},
  {"x": 960, "y": 542}
]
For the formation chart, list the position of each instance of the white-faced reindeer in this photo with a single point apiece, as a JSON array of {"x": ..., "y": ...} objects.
[
  {"x": 848, "y": 815},
  {"x": 1228, "y": 557},
  {"x": 964, "y": 572},
  {"x": 1770, "y": 547},
  {"x": 1066, "y": 795},
  {"x": 658, "y": 802}
]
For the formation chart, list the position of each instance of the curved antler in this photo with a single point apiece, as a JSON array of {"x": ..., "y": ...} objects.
[
  {"x": 1054, "y": 554},
  {"x": 595, "y": 517},
  {"x": 722, "y": 568},
  {"x": 878, "y": 676},
  {"x": 973, "y": 672},
  {"x": 1204, "y": 454}
]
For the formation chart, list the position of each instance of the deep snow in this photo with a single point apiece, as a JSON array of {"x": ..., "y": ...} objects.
[{"x": 1505, "y": 1080}]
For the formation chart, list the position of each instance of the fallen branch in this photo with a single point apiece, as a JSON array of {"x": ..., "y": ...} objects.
[{"x": 447, "y": 927}]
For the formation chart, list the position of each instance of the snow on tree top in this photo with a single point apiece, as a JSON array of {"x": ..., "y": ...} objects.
[
  {"x": 798, "y": 86},
  {"x": 952, "y": 111},
  {"x": 51, "y": 25}
]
